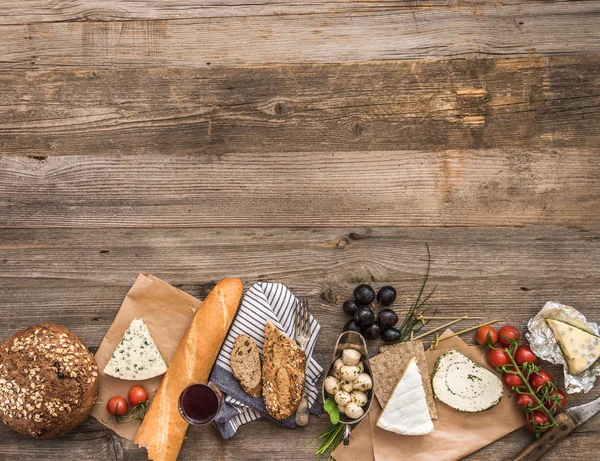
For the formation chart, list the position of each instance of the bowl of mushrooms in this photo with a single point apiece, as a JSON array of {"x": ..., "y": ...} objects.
[{"x": 349, "y": 380}]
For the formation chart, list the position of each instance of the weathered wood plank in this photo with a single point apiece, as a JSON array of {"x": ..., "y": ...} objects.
[
  {"x": 90, "y": 441},
  {"x": 457, "y": 104},
  {"x": 78, "y": 277},
  {"x": 455, "y": 188},
  {"x": 248, "y": 33}
]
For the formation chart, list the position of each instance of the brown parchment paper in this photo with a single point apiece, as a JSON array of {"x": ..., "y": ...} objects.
[
  {"x": 167, "y": 311},
  {"x": 455, "y": 434}
]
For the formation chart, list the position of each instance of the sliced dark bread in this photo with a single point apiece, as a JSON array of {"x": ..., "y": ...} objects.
[
  {"x": 245, "y": 363},
  {"x": 283, "y": 373}
]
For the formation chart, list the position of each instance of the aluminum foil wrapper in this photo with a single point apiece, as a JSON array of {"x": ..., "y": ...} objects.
[{"x": 542, "y": 343}]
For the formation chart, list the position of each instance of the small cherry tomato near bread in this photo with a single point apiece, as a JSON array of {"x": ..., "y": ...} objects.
[
  {"x": 137, "y": 395},
  {"x": 497, "y": 357},
  {"x": 512, "y": 380},
  {"x": 508, "y": 333},
  {"x": 485, "y": 331},
  {"x": 537, "y": 417},
  {"x": 560, "y": 404},
  {"x": 524, "y": 354},
  {"x": 523, "y": 400},
  {"x": 117, "y": 406},
  {"x": 538, "y": 379}
]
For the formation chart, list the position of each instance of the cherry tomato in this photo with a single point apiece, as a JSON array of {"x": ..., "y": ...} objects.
[
  {"x": 560, "y": 404},
  {"x": 538, "y": 379},
  {"x": 117, "y": 406},
  {"x": 524, "y": 354},
  {"x": 508, "y": 333},
  {"x": 523, "y": 400},
  {"x": 512, "y": 380},
  {"x": 497, "y": 357},
  {"x": 482, "y": 334},
  {"x": 537, "y": 417},
  {"x": 137, "y": 395}
]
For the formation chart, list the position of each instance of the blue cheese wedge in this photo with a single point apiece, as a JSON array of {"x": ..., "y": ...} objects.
[
  {"x": 136, "y": 357},
  {"x": 465, "y": 385},
  {"x": 406, "y": 412},
  {"x": 580, "y": 348}
]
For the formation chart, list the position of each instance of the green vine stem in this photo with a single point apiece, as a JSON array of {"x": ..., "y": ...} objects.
[{"x": 548, "y": 390}]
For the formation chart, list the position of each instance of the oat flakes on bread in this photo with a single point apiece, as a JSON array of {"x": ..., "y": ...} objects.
[
  {"x": 245, "y": 363},
  {"x": 48, "y": 381},
  {"x": 284, "y": 368}
]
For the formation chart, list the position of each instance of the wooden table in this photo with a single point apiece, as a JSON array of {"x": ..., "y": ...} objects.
[{"x": 317, "y": 144}]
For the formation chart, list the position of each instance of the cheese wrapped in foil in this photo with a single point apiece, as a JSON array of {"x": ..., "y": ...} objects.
[{"x": 543, "y": 344}]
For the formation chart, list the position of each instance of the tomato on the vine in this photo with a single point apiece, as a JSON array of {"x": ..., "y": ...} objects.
[
  {"x": 524, "y": 400},
  {"x": 524, "y": 354},
  {"x": 137, "y": 395},
  {"x": 560, "y": 404},
  {"x": 498, "y": 357},
  {"x": 513, "y": 380},
  {"x": 117, "y": 406},
  {"x": 537, "y": 417},
  {"x": 485, "y": 331},
  {"x": 507, "y": 334},
  {"x": 539, "y": 378}
]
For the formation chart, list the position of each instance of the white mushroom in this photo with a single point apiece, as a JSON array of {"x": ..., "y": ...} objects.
[
  {"x": 332, "y": 385},
  {"x": 353, "y": 411},
  {"x": 361, "y": 367},
  {"x": 363, "y": 382},
  {"x": 359, "y": 398},
  {"x": 346, "y": 386},
  {"x": 350, "y": 373},
  {"x": 350, "y": 357},
  {"x": 337, "y": 365},
  {"x": 342, "y": 398}
]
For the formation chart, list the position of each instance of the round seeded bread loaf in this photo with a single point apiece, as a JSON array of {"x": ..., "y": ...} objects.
[{"x": 48, "y": 381}]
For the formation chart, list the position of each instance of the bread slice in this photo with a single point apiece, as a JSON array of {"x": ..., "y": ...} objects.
[
  {"x": 284, "y": 370},
  {"x": 245, "y": 363}
]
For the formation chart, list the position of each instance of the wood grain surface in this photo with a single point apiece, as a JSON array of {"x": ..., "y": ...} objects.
[
  {"x": 441, "y": 105},
  {"x": 458, "y": 188},
  {"x": 318, "y": 144},
  {"x": 120, "y": 34}
]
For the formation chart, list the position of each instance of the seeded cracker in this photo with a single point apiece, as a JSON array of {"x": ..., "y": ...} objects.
[{"x": 387, "y": 368}]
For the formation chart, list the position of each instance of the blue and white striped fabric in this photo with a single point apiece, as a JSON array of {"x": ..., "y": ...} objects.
[{"x": 262, "y": 303}]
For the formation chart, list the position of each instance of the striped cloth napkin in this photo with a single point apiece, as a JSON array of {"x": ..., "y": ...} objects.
[{"x": 263, "y": 302}]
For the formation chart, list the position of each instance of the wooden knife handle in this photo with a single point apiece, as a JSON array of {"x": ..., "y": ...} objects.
[{"x": 536, "y": 449}]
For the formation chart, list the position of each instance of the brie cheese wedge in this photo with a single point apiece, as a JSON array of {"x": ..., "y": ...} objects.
[
  {"x": 464, "y": 385},
  {"x": 407, "y": 412},
  {"x": 136, "y": 357},
  {"x": 580, "y": 348}
]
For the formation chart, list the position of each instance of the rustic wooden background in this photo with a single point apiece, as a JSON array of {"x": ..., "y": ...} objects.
[{"x": 319, "y": 144}]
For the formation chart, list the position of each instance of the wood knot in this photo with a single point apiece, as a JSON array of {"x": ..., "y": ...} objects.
[
  {"x": 282, "y": 108},
  {"x": 358, "y": 236},
  {"x": 342, "y": 243},
  {"x": 357, "y": 128},
  {"x": 329, "y": 296},
  {"x": 39, "y": 158}
]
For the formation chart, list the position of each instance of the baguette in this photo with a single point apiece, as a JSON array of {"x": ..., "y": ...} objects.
[{"x": 163, "y": 429}]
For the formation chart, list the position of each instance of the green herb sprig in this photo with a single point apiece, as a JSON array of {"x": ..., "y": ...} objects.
[
  {"x": 333, "y": 436},
  {"x": 418, "y": 308}
]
